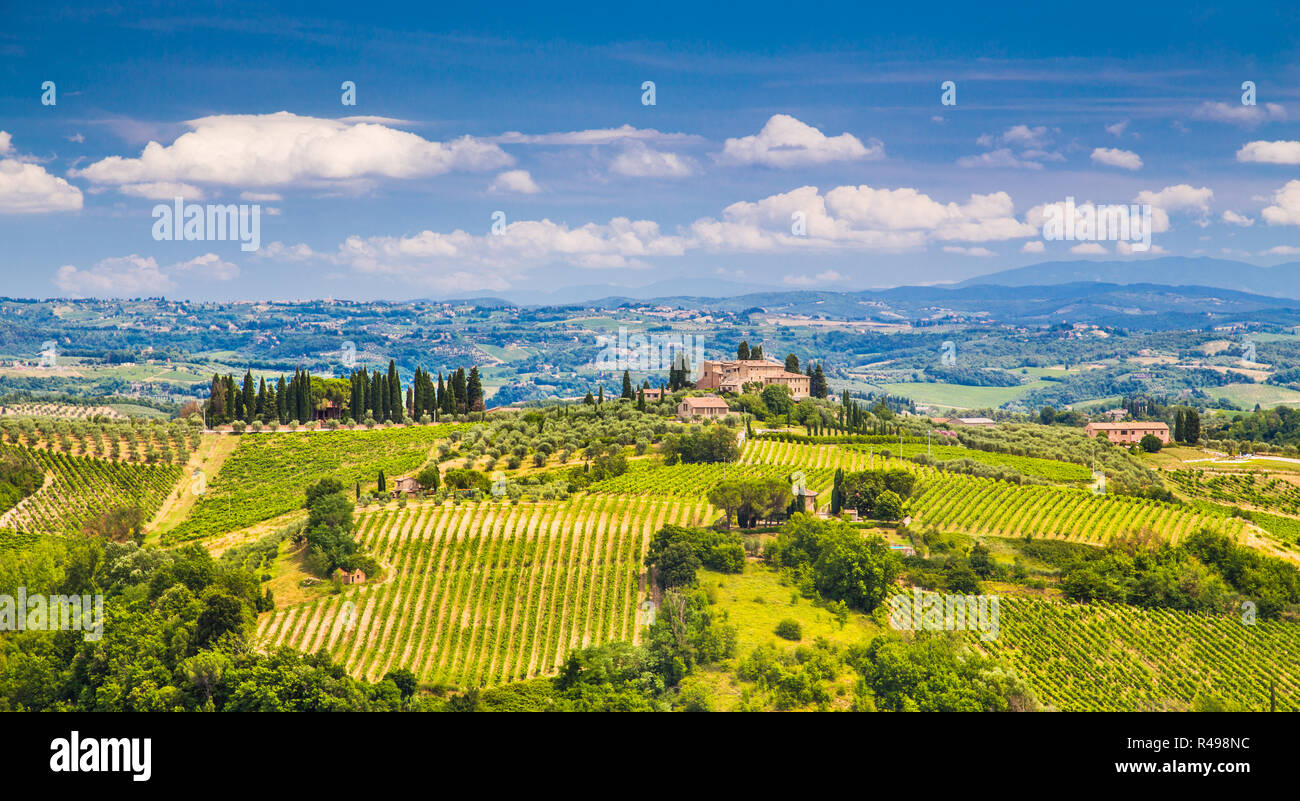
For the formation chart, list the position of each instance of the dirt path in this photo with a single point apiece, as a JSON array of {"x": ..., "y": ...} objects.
[{"x": 209, "y": 457}]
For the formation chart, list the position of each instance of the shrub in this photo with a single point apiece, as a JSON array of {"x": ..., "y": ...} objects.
[{"x": 789, "y": 629}]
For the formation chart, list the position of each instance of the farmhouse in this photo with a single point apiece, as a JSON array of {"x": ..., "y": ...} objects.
[
  {"x": 705, "y": 406},
  {"x": 328, "y": 410},
  {"x": 653, "y": 394},
  {"x": 805, "y": 499},
  {"x": 731, "y": 376},
  {"x": 1128, "y": 433},
  {"x": 357, "y": 576},
  {"x": 406, "y": 485}
]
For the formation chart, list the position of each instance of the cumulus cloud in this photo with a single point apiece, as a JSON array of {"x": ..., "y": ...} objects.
[
  {"x": 26, "y": 188},
  {"x": 640, "y": 161},
  {"x": 265, "y": 150},
  {"x": 1019, "y": 136},
  {"x": 1089, "y": 249},
  {"x": 964, "y": 251},
  {"x": 460, "y": 260},
  {"x": 1033, "y": 247},
  {"x": 1238, "y": 114},
  {"x": 787, "y": 142},
  {"x": 135, "y": 275},
  {"x": 1281, "y": 152},
  {"x": 1114, "y": 157},
  {"x": 515, "y": 181},
  {"x": 1033, "y": 143},
  {"x": 1282, "y": 250},
  {"x": 1286, "y": 206},
  {"x": 1233, "y": 218},
  {"x": 1179, "y": 198},
  {"x": 279, "y": 251}
]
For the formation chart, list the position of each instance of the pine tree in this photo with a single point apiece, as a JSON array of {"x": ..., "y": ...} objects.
[
  {"x": 791, "y": 363},
  {"x": 742, "y": 351}
]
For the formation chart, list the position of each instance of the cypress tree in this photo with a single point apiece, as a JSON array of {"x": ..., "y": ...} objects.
[
  {"x": 395, "y": 404},
  {"x": 281, "y": 401},
  {"x": 627, "y": 385},
  {"x": 249, "y": 398},
  {"x": 474, "y": 391},
  {"x": 742, "y": 350},
  {"x": 261, "y": 399}
]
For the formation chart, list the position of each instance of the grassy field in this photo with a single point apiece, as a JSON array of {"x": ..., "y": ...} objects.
[
  {"x": 957, "y": 396},
  {"x": 1247, "y": 395}
]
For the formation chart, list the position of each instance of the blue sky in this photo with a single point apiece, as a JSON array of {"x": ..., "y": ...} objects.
[{"x": 762, "y": 111}]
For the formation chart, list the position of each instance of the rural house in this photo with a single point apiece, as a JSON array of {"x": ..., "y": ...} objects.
[
  {"x": 732, "y": 376},
  {"x": 1128, "y": 433},
  {"x": 704, "y": 406}
]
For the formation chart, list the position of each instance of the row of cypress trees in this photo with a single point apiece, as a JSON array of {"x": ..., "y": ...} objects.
[{"x": 378, "y": 394}]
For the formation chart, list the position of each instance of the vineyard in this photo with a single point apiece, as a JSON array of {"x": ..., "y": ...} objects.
[
  {"x": 264, "y": 477},
  {"x": 1104, "y": 657},
  {"x": 479, "y": 594},
  {"x": 986, "y": 506},
  {"x": 695, "y": 480},
  {"x": 80, "y": 488},
  {"x": 1264, "y": 492}
]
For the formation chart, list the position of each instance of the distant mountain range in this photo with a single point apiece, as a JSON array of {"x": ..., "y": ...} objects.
[{"x": 1281, "y": 281}]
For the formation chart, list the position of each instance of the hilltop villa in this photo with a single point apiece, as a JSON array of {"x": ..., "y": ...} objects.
[{"x": 731, "y": 376}]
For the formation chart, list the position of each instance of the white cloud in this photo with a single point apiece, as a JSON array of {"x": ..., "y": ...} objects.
[
  {"x": 1281, "y": 152},
  {"x": 516, "y": 181},
  {"x": 26, "y": 188},
  {"x": 1033, "y": 247},
  {"x": 261, "y": 197},
  {"x": 1114, "y": 157},
  {"x": 278, "y": 251},
  {"x": 1282, "y": 250},
  {"x": 1118, "y": 129},
  {"x": 639, "y": 161},
  {"x": 283, "y": 148},
  {"x": 1126, "y": 249},
  {"x": 1233, "y": 218},
  {"x": 787, "y": 142},
  {"x": 820, "y": 279},
  {"x": 1181, "y": 197},
  {"x": 135, "y": 275},
  {"x": 1237, "y": 114},
  {"x": 1089, "y": 249},
  {"x": 595, "y": 136},
  {"x": 1286, "y": 206},
  {"x": 163, "y": 190},
  {"x": 460, "y": 260},
  {"x": 1002, "y": 157},
  {"x": 963, "y": 251}
]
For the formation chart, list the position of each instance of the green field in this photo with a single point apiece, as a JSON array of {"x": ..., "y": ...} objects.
[
  {"x": 1247, "y": 395},
  {"x": 958, "y": 396}
]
